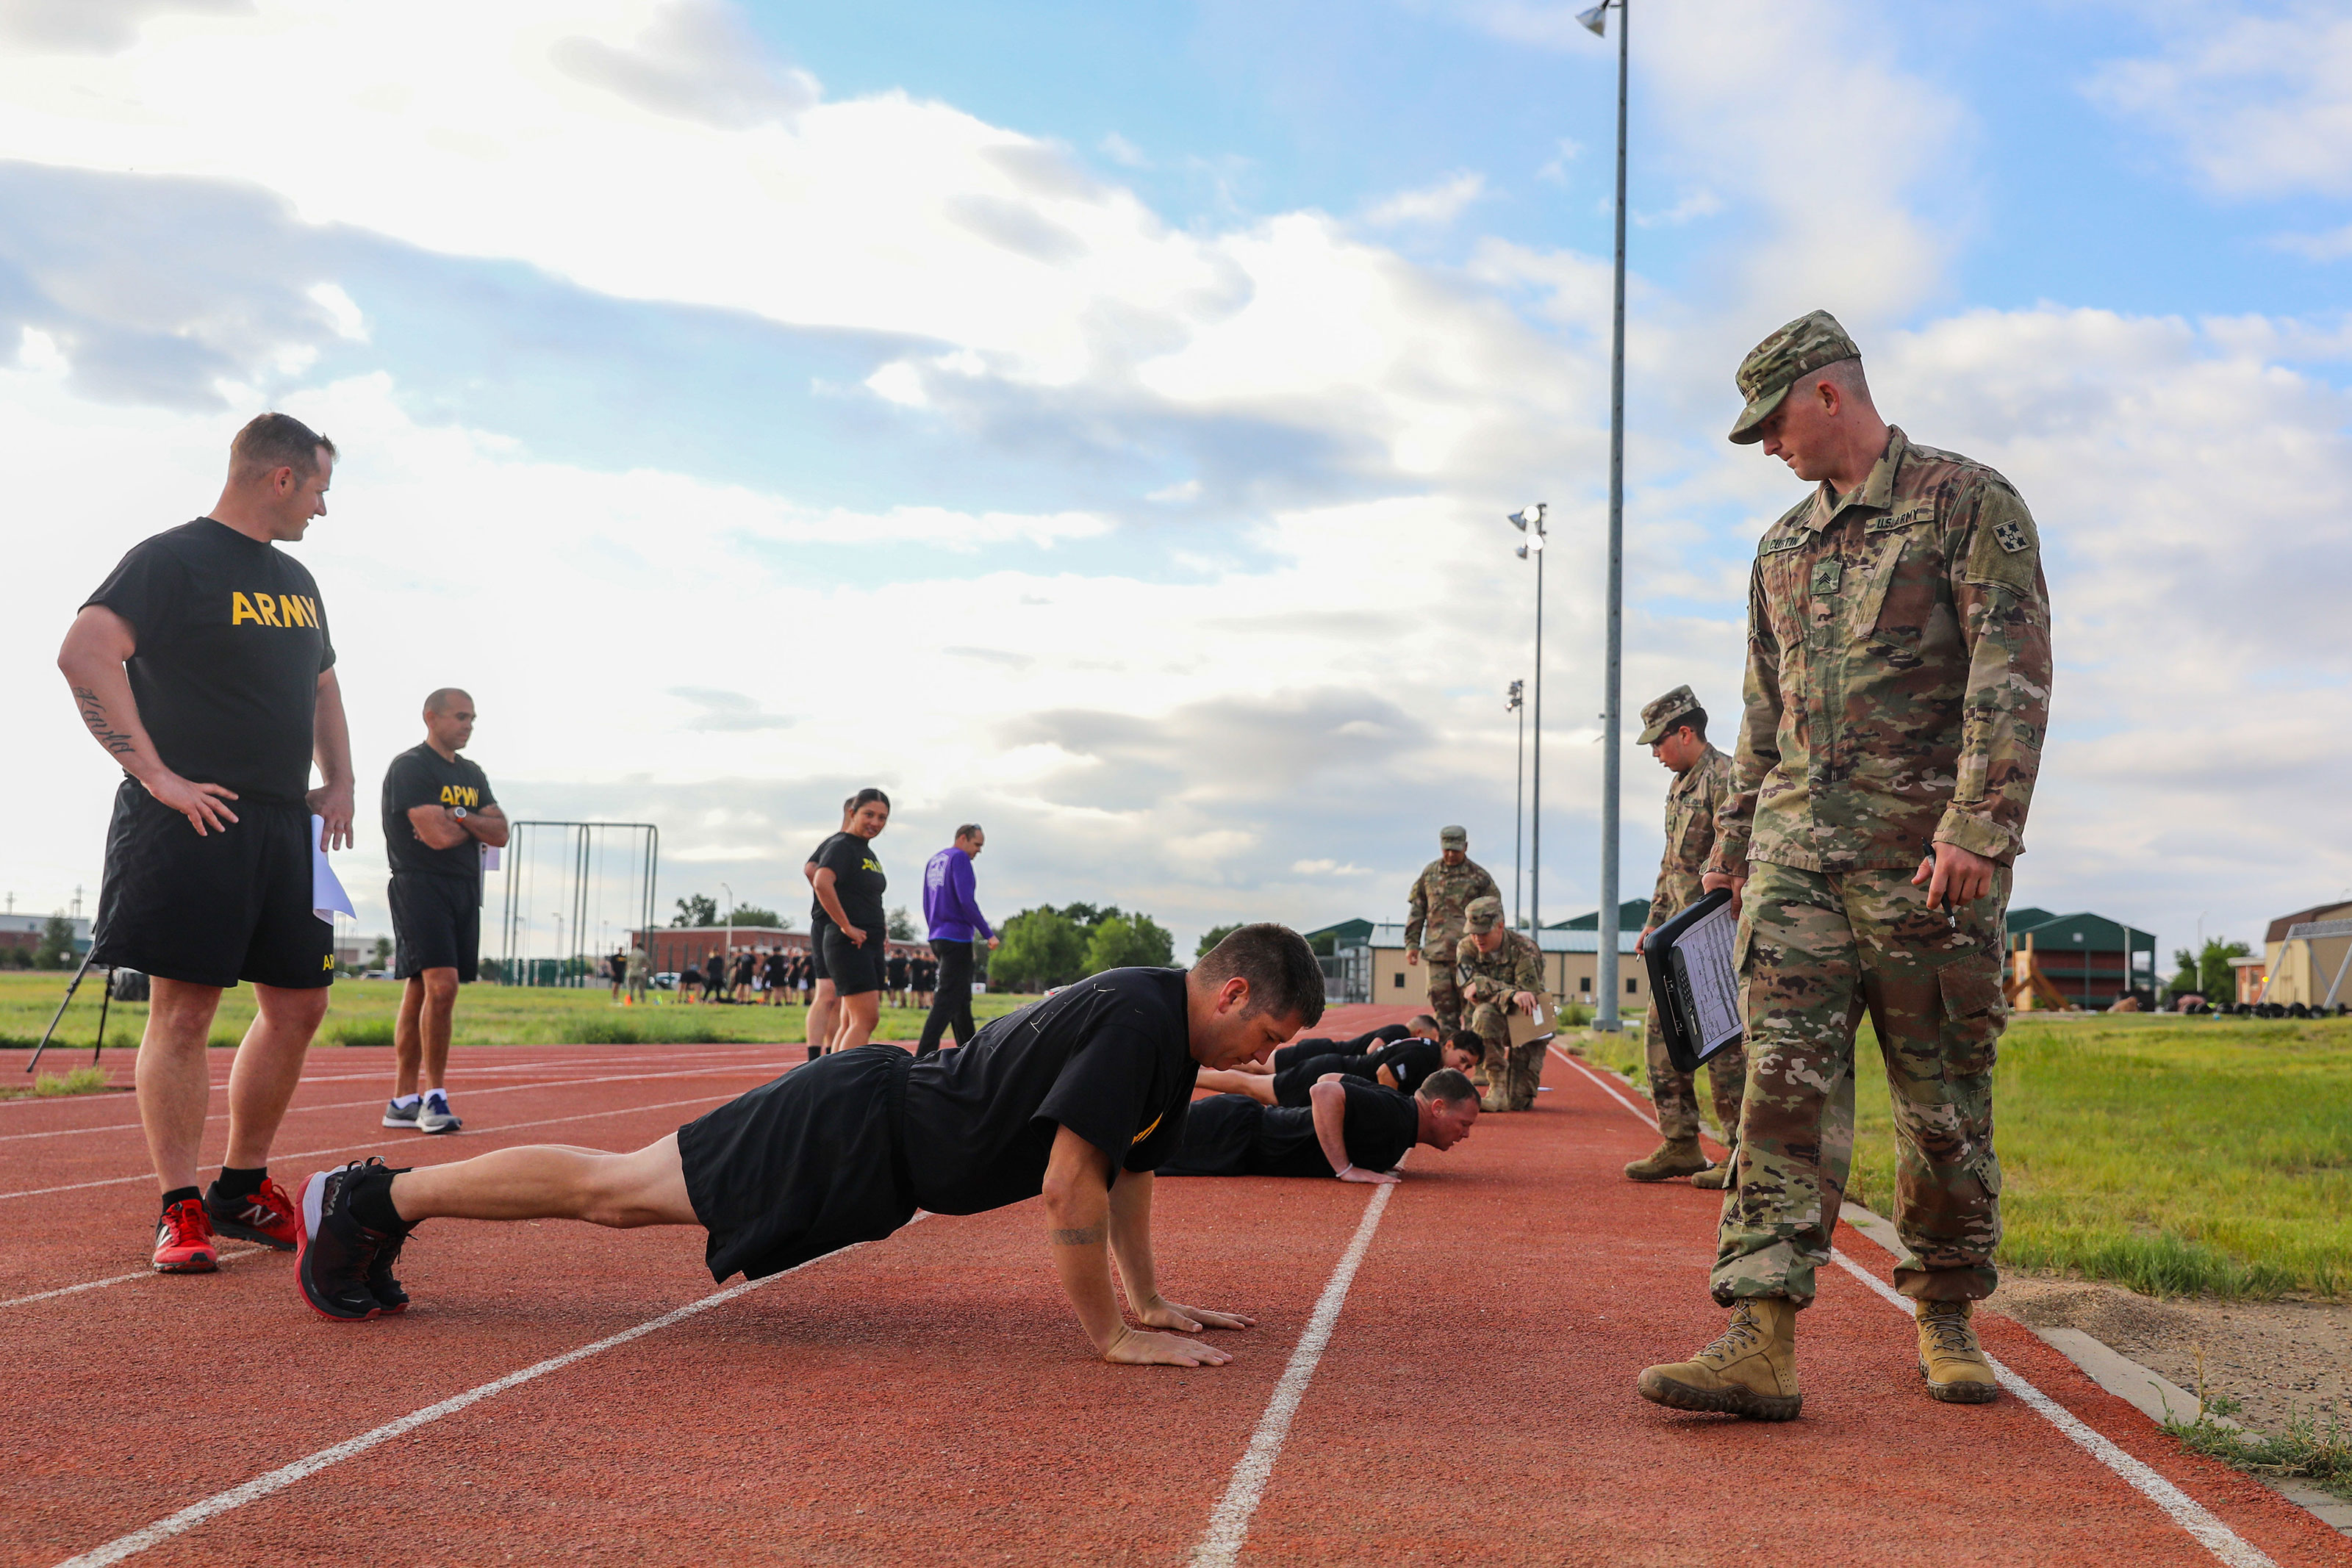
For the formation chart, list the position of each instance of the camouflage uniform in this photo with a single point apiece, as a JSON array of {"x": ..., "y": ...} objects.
[
  {"x": 1433, "y": 926},
  {"x": 1897, "y": 691},
  {"x": 1692, "y": 801},
  {"x": 1490, "y": 981}
]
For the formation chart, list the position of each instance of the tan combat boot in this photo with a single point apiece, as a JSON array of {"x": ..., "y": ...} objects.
[
  {"x": 1750, "y": 1371},
  {"x": 1949, "y": 1358},
  {"x": 1715, "y": 1178},
  {"x": 1675, "y": 1157}
]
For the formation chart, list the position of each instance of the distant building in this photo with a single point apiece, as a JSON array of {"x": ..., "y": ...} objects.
[
  {"x": 1367, "y": 965},
  {"x": 24, "y": 931},
  {"x": 2079, "y": 960},
  {"x": 2311, "y": 968}
]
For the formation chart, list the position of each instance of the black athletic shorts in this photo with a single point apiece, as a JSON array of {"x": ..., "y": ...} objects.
[
  {"x": 818, "y": 928},
  {"x": 436, "y": 924},
  {"x": 803, "y": 1165},
  {"x": 853, "y": 970},
  {"x": 231, "y": 905}
]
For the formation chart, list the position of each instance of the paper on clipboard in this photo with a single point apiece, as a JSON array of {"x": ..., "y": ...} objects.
[
  {"x": 1704, "y": 956},
  {"x": 327, "y": 898},
  {"x": 1527, "y": 1030}
]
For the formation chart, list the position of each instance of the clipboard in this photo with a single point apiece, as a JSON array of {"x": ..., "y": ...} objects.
[
  {"x": 1694, "y": 985},
  {"x": 1532, "y": 1031}
]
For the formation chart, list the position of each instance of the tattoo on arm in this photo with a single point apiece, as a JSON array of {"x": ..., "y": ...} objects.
[
  {"x": 1079, "y": 1235},
  {"x": 93, "y": 714}
]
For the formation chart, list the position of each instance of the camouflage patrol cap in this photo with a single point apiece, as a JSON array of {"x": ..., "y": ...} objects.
[
  {"x": 1452, "y": 838},
  {"x": 1805, "y": 344},
  {"x": 1484, "y": 913},
  {"x": 1659, "y": 717}
]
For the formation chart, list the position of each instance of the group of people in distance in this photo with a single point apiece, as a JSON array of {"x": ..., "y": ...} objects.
[{"x": 780, "y": 976}]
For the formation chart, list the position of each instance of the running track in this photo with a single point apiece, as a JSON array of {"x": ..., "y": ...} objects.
[{"x": 1442, "y": 1374}]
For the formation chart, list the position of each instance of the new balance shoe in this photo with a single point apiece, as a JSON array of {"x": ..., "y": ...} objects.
[
  {"x": 337, "y": 1251},
  {"x": 266, "y": 1216},
  {"x": 433, "y": 1116},
  {"x": 402, "y": 1118},
  {"x": 183, "y": 1239}
]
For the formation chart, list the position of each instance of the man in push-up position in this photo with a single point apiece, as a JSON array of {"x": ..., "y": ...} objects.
[
  {"x": 1351, "y": 1128},
  {"x": 1079, "y": 1096},
  {"x": 1403, "y": 1065}
]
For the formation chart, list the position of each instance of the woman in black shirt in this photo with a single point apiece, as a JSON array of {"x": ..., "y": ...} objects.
[{"x": 849, "y": 887}]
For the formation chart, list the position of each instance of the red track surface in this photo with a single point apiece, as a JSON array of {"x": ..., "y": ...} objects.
[{"x": 927, "y": 1399}]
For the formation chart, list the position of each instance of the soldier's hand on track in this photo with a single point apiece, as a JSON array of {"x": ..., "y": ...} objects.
[
  {"x": 1642, "y": 938},
  {"x": 1954, "y": 876},
  {"x": 333, "y": 804},
  {"x": 200, "y": 803},
  {"x": 1525, "y": 1001},
  {"x": 1412, "y": 955},
  {"x": 1167, "y": 1314},
  {"x": 1140, "y": 1347},
  {"x": 1370, "y": 1178},
  {"x": 1734, "y": 884}
]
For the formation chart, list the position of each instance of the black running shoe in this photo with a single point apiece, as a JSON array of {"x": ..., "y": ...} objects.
[
  {"x": 380, "y": 1283},
  {"x": 335, "y": 1251}
]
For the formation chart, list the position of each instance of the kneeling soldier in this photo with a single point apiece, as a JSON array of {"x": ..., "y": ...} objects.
[{"x": 1498, "y": 969}]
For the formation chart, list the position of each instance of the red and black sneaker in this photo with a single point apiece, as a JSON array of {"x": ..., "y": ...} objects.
[
  {"x": 184, "y": 1240},
  {"x": 387, "y": 1290},
  {"x": 336, "y": 1251},
  {"x": 266, "y": 1216}
]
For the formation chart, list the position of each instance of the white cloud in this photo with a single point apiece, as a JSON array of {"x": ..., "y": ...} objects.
[
  {"x": 1556, "y": 170},
  {"x": 1435, "y": 204},
  {"x": 2260, "y": 105},
  {"x": 2333, "y": 246}
]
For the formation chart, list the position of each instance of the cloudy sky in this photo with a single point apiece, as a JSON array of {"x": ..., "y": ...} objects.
[{"x": 1099, "y": 420}]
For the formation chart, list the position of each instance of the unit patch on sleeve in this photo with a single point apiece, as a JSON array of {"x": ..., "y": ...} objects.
[{"x": 2012, "y": 535}]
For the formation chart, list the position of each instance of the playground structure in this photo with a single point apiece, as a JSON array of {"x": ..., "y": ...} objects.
[{"x": 572, "y": 892}]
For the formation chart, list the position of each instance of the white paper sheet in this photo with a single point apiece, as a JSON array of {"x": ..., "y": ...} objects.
[
  {"x": 1704, "y": 955},
  {"x": 327, "y": 898}
]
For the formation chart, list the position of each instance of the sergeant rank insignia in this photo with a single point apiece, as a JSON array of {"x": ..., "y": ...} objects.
[{"x": 2012, "y": 535}]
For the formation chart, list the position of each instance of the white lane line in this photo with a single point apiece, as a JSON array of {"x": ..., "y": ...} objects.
[
  {"x": 2224, "y": 1543},
  {"x": 343, "y": 1148},
  {"x": 1229, "y": 1524},
  {"x": 2215, "y": 1536},
  {"x": 285, "y": 1476},
  {"x": 711, "y": 1072},
  {"x": 119, "y": 1279}
]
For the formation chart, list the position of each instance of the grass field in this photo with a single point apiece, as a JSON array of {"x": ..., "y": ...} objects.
[
  {"x": 361, "y": 1014},
  {"x": 2172, "y": 1155}
]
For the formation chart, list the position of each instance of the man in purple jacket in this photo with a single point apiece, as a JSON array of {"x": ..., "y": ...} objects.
[{"x": 953, "y": 915}]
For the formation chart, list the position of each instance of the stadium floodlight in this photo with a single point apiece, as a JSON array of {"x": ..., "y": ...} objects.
[{"x": 1596, "y": 21}]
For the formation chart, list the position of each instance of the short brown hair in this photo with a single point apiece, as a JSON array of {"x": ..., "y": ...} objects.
[
  {"x": 439, "y": 701},
  {"x": 1284, "y": 975},
  {"x": 274, "y": 441},
  {"x": 1448, "y": 1084}
]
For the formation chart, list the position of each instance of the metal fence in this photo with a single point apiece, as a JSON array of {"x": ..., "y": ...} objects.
[{"x": 1348, "y": 976}]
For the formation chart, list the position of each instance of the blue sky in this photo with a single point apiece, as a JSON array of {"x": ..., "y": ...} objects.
[{"x": 1097, "y": 420}]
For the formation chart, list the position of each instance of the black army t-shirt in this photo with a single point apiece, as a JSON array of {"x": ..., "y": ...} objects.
[
  {"x": 231, "y": 641},
  {"x": 1110, "y": 1058},
  {"x": 1380, "y": 1126},
  {"x": 818, "y": 918},
  {"x": 420, "y": 776},
  {"x": 1409, "y": 1061},
  {"x": 857, "y": 880}
]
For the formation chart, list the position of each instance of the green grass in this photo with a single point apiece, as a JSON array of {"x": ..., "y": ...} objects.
[
  {"x": 361, "y": 1012},
  {"x": 2305, "y": 1451},
  {"x": 48, "y": 1085},
  {"x": 2176, "y": 1156}
]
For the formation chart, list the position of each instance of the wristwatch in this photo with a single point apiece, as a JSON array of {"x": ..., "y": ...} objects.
[{"x": 456, "y": 810}]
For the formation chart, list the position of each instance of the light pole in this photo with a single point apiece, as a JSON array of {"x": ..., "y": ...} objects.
[
  {"x": 558, "y": 950},
  {"x": 1518, "y": 798},
  {"x": 727, "y": 953},
  {"x": 1597, "y": 19},
  {"x": 1529, "y": 520}
]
